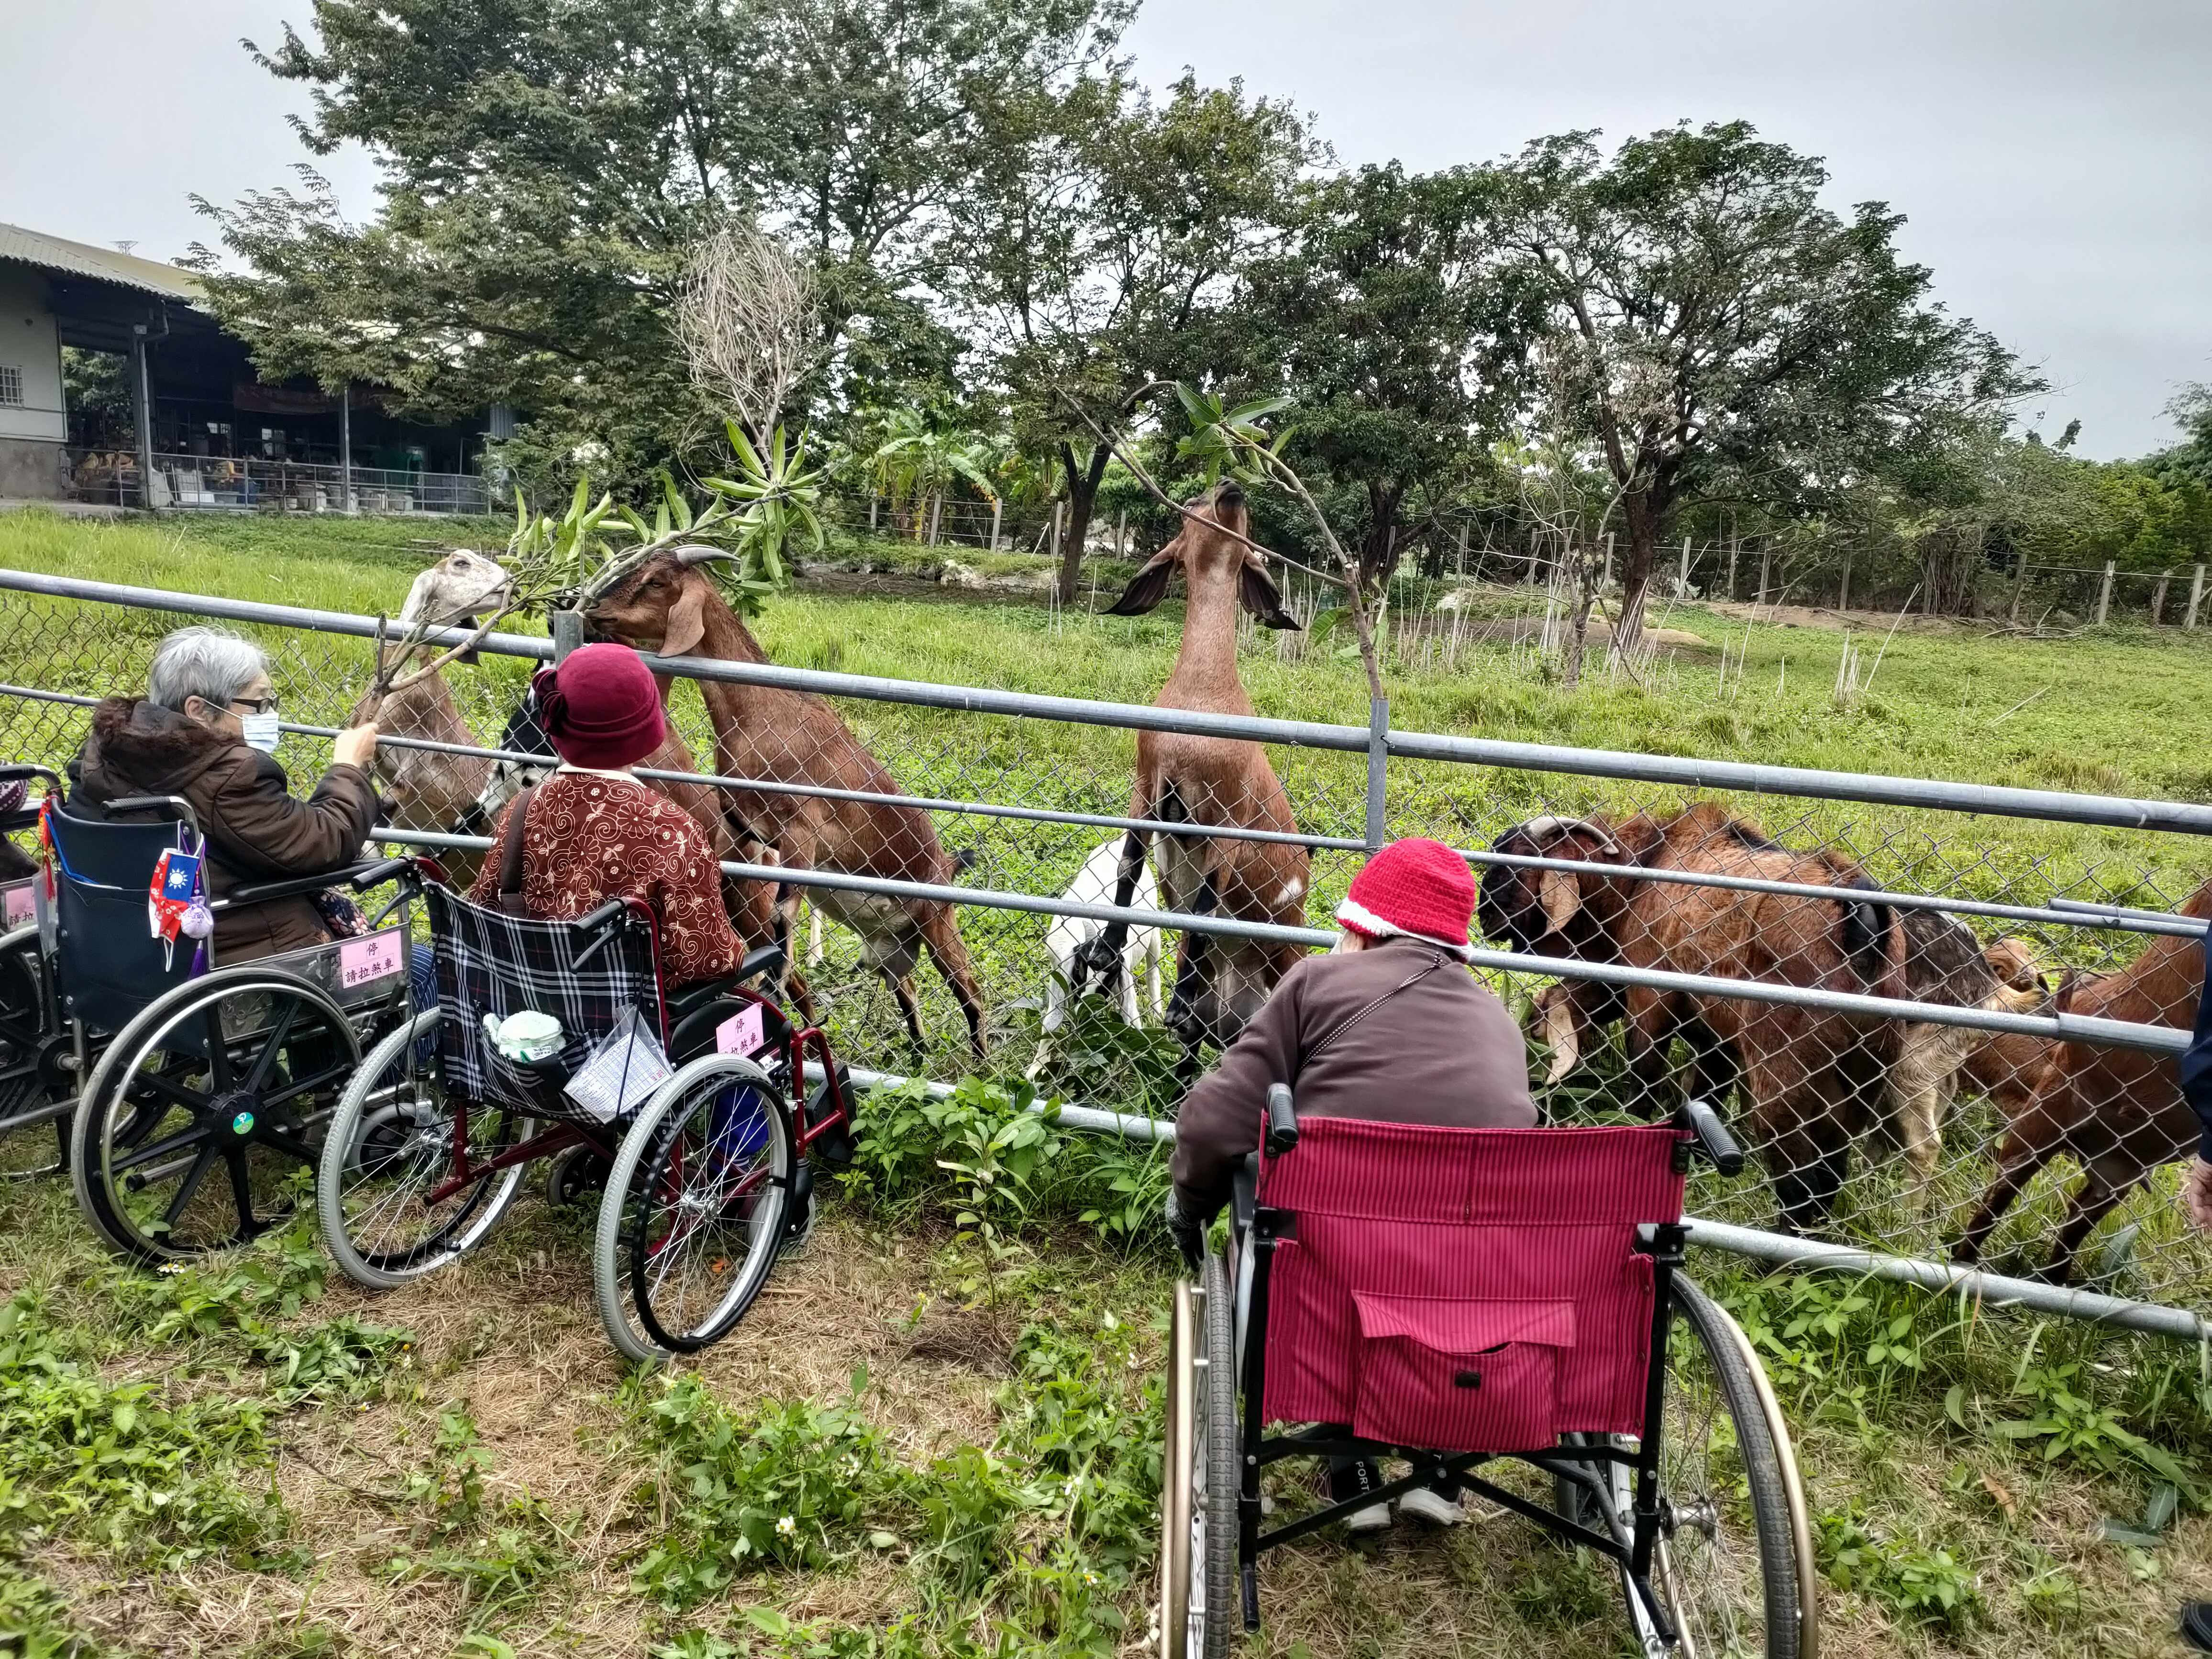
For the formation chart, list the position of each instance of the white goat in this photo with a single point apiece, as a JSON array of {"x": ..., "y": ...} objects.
[{"x": 1140, "y": 954}]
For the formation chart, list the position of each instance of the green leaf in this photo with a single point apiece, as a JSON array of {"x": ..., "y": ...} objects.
[{"x": 1954, "y": 1403}]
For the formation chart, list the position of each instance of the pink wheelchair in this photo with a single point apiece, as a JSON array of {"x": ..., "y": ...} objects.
[{"x": 1473, "y": 1302}]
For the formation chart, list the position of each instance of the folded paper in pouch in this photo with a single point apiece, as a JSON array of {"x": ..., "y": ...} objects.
[{"x": 626, "y": 1067}]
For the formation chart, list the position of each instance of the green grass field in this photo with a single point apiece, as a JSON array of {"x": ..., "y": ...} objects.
[{"x": 244, "y": 1459}]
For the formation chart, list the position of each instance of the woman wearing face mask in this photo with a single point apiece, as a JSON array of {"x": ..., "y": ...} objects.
[{"x": 205, "y": 730}]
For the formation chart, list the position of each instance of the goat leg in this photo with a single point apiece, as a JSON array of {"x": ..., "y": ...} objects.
[
  {"x": 1099, "y": 958},
  {"x": 910, "y": 1010},
  {"x": 940, "y": 930},
  {"x": 1192, "y": 969}
]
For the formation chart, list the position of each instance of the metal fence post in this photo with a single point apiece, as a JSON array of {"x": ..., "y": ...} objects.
[
  {"x": 568, "y": 633},
  {"x": 2105, "y": 595},
  {"x": 1378, "y": 755},
  {"x": 2196, "y": 596}
]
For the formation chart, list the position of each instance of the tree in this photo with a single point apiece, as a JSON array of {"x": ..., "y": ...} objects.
[
  {"x": 1367, "y": 322},
  {"x": 2190, "y": 458},
  {"x": 1104, "y": 237},
  {"x": 551, "y": 165},
  {"x": 1712, "y": 325}
]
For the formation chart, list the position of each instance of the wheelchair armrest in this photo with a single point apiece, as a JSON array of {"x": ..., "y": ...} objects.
[
  {"x": 261, "y": 892},
  {"x": 1282, "y": 1120},
  {"x": 376, "y": 875},
  {"x": 1710, "y": 1137},
  {"x": 767, "y": 960},
  {"x": 594, "y": 920}
]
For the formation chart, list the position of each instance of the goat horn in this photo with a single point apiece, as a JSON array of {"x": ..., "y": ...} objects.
[
  {"x": 691, "y": 556},
  {"x": 1545, "y": 825}
]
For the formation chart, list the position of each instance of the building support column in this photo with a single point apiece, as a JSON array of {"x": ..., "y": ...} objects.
[
  {"x": 345, "y": 449},
  {"x": 142, "y": 414}
]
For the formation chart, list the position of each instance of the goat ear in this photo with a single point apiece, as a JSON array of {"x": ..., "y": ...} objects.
[
  {"x": 418, "y": 596},
  {"x": 1149, "y": 586},
  {"x": 1559, "y": 1028},
  {"x": 1260, "y": 596},
  {"x": 1560, "y": 895},
  {"x": 686, "y": 621}
]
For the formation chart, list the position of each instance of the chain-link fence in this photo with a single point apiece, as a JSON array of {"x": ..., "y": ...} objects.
[{"x": 1944, "y": 1018}]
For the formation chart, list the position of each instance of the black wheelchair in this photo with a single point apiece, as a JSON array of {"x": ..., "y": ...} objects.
[
  {"x": 204, "y": 1087},
  {"x": 39, "y": 1063},
  {"x": 699, "y": 1158}
]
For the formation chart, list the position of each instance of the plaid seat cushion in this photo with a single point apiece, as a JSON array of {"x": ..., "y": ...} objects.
[{"x": 496, "y": 964}]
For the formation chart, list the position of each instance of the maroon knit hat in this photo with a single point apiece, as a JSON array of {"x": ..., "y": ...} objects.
[
  {"x": 1416, "y": 888},
  {"x": 600, "y": 707}
]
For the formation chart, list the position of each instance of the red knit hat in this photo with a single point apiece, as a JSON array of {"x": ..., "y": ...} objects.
[
  {"x": 600, "y": 708},
  {"x": 1416, "y": 888}
]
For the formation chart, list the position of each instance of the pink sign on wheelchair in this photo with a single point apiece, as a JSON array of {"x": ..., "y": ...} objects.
[
  {"x": 20, "y": 906},
  {"x": 743, "y": 1033},
  {"x": 380, "y": 955}
]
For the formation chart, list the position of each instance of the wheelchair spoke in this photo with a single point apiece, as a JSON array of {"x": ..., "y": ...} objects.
[
  {"x": 321, "y": 1079},
  {"x": 256, "y": 1079},
  {"x": 241, "y": 1193},
  {"x": 191, "y": 1184},
  {"x": 175, "y": 1090},
  {"x": 161, "y": 1148}
]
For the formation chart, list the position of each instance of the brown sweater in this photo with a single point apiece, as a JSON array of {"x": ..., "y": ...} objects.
[
  {"x": 256, "y": 831},
  {"x": 1442, "y": 1050}
]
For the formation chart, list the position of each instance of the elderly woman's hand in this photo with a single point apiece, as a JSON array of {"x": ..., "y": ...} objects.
[{"x": 356, "y": 746}]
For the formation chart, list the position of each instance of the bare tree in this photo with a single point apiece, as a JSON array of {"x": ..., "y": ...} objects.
[{"x": 747, "y": 319}]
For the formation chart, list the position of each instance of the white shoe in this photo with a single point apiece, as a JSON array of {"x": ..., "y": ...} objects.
[
  {"x": 1430, "y": 1506},
  {"x": 1376, "y": 1517}
]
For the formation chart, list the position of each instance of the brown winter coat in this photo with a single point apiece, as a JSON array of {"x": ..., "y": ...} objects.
[
  {"x": 1441, "y": 1051},
  {"x": 256, "y": 832}
]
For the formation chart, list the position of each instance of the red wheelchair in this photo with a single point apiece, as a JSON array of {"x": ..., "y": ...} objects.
[
  {"x": 700, "y": 1154},
  {"x": 1460, "y": 1300}
]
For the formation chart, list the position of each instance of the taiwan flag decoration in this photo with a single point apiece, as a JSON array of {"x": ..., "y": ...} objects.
[{"x": 173, "y": 894}]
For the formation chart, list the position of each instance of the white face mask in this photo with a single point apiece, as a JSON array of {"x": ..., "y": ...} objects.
[{"x": 259, "y": 731}]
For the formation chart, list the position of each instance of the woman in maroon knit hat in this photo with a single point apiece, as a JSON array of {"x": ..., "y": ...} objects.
[
  {"x": 1388, "y": 1025},
  {"x": 592, "y": 832}
]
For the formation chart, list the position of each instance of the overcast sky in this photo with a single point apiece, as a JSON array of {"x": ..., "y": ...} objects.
[{"x": 2055, "y": 156}]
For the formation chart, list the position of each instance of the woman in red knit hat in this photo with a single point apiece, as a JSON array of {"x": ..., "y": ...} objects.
[
  {"x": 592, "y": 832},
  {"x": 1388, "y": 1025}
]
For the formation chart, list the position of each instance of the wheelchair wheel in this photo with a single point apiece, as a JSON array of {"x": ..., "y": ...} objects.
[
  {"x": 237, "y": 1069},
  {"x": 389, "y": 1149},
  {"x": 31, "y": 1087},
  {"x": 1199, "y": 1487},
  {"x": 694, "y": 1209},
  {"x": 1728, "y": 1568}
]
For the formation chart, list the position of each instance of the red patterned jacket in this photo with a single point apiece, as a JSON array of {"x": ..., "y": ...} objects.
[{"x": 596, "y": 836}]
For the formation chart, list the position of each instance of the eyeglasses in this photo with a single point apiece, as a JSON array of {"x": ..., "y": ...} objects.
[{"x": 255, "y": 705}]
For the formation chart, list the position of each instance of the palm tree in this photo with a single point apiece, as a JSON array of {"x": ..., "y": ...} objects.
[{"x": 918, "y": 462}]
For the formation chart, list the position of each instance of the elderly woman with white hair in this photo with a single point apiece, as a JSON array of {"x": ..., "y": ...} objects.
[{"x": 206, "y": 730}]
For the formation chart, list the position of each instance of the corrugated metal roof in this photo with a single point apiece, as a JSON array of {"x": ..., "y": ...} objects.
[{"x": 102, "y": 264}]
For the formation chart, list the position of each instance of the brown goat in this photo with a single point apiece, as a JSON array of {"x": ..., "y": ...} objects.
[
  {"x": 670, "y": 608},
  {"x": 428, "y": 789},
  {"x": 1811, "y": 1077},
  {"x": 2118, "y": 1113},
  {"x": 1221, "y": 983}
]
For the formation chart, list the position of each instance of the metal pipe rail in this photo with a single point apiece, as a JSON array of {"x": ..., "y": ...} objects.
[
  {"x": 2061, "y": 912},
  {"x": 2054, "y": 806},
  {"x": 1994, "y": 1289},
  {"x": 2077, "y": 1028}
]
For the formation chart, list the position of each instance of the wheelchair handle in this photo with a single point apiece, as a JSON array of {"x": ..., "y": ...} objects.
[
  {"x": 1282, "y": 1120},
  {"x": 376, "y": 875},
  {"x": 606, "y": 916},
  {"x": 23, "y": 771},
  {"x": 1711, "y": 1137},
  {"x": 176, "y": 805}
]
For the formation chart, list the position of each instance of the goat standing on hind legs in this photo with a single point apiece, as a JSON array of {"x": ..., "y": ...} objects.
[
  {"x": 1221, "y": 983},
  {"x": 668, "y": 607}
]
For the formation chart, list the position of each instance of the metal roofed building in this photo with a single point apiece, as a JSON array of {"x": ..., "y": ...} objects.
[{"x": 202, "y": 430}]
